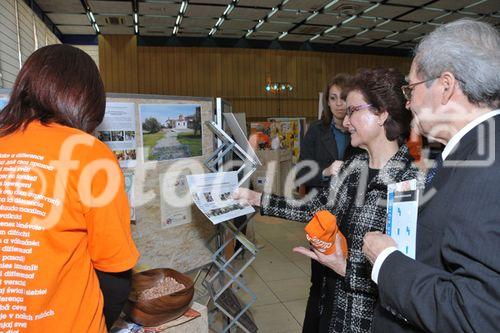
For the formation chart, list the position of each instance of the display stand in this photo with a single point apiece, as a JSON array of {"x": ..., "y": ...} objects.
[{"x": 228, "y": 274}]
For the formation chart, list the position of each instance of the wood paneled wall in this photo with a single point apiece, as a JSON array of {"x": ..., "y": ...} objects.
[
  {"x": 118, "y": 63},
  {"x": 239, "y": 75}
]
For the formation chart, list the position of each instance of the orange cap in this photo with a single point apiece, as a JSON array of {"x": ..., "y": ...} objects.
[{"x": 321, "y": 232}]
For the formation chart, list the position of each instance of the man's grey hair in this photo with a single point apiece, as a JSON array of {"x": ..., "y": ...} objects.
[{"x": 471, "y": 51}]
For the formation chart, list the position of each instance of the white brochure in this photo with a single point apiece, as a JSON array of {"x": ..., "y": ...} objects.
[
  {"x": 211, "y": 192},
  {"x": 402, "y": 211}
]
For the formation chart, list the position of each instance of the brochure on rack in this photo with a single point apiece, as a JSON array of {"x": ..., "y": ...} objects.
[{"x": 212, "y": 194}]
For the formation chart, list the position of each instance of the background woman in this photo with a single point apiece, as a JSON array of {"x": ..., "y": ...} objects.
[
  {"x": 379, "y": 124},
  {"x": 325, "y": 142}
]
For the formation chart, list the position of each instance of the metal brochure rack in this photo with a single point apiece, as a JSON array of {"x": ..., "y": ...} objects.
[{"x": 228, "y": 275}]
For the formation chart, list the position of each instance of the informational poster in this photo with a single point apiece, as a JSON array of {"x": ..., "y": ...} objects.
[
  {"x": 402, "y": 210},
  {"x": 129, "y": 188},
  {"x": 175, "y": 199},
  {"x": 170, "y": 131},
  {"x": 117, "y": 130},
  {"x": 212, "y": 194},
  {"x": 3, "y": 102}
]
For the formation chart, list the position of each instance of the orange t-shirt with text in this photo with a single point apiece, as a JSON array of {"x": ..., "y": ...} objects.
[{"x": 63, "y": 212}]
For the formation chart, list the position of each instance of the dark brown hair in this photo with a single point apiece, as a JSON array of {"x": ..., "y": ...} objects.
[
  {"x": 341, "y": 80},
  {"x": 57, "y": 84},
  {"x": 381, "y": 88}
]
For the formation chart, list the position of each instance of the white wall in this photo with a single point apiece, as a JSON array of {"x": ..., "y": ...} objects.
[
  {"x": 91, "y": 50},
  {"x": 21, "y": 33}
]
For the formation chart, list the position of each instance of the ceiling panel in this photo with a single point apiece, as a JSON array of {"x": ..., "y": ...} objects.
[
  {"x": 295, "y": 38},
  {"x": 348, "y": 8},
  {"x": 111, "y": 7},
  {"x": 423, "y": 28},
  {"x": 406, "y": 2},
  {"x": 105, "y": 20},
  {"x": 404, "y": 36},
  {"x": 163, "y": 9},
  {"x": 156, "y": 31},
  {"x": 307, "y": 5},
  {"x": 248, "y": 13},
  {"x": 116, "y": 30},
  {"x": 189, "y": 33},
  {"x": 396, "y": 25},
  {"x": 188, "y": 22},
  {"x": 356, "y": 41},
  {"x": 327, "y": 39},
  {"x": 226, "y": 33},
  {"x": 385, "y": 43},
  {"x": 290, "y": 15},
  {"x": 204, "y": 11},
  {"x": 69, "y": 19},
  {"x": 375, "y": 34},
  {"x": 167, "y": 21},
  {"x": 451, "y": 4},
  {"x": 76, "y": 30},
  {"x": 346, "y": 32},
  {"x": 275, "y": 26},
  {"x": 491, "y": 19},
  {"x": 451, "y": 17},
  {"x": 487, "y": 7},
  {"x": 264, "y": 35},
  {"x": 309, "y": 29},
  {"x": 238, "y": 24},
  {"x": 421, "y": 15},
  {"x": 387, "y": 11},
  {"x": 365, "y": 22},
  {"x": 259, "y": 3},
  {"x": 325, "y": 19},
  {"x": 212, "y": 2},
  {"x": 61, "y": 6},
  {"x": 406, "y": 46}
]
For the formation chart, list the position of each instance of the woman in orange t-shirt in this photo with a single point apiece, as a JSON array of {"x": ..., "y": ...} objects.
[{"x": 64, "y": 215}]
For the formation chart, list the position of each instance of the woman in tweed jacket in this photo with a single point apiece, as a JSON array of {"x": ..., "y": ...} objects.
[{"x": 378, "y": 123}]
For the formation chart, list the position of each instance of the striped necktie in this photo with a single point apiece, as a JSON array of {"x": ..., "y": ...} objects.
[{"x": 431, "y": 173}]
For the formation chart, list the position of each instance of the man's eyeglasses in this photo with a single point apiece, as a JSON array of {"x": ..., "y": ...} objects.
[
  {"x": 352, "y": 109},
  {"x": 408, "y": 88}
]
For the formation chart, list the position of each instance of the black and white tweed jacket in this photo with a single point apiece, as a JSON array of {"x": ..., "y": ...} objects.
[{"x": 348, "y": 302}]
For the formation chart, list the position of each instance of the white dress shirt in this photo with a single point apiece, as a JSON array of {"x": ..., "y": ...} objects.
[{"x": 446, "y": 152}]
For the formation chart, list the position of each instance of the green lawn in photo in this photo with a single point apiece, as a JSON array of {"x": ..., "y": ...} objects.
[
  {"x": 150, "y": 141},
  {"x": 193, "y": 141}
]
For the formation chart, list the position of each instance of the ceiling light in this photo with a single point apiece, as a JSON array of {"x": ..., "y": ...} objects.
[
  {"x": 330, "y": 4},
  {"x": 283, "y": 35},
  {"x": 91, "y": 17},
  {"x": 219, "y": 22},
  {"x": 178, "y": 20},
  {"x": 176, "y": 28},
  {"x": 136, "y": 20},
  {"x": 136, "y": 29},
  {"x": 315, "y": 37},
  {"x": 228, "y": 10},
  {"x": 96, "y": 28},
  {"x": 313, "y": 15},
  {"x": 212, "y": 31},
  {"x": 330, "y": 29},
  {"x": 183, "y": 7}
]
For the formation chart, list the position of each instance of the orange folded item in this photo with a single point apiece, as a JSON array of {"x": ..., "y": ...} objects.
[{"x": 321, "y": 232}]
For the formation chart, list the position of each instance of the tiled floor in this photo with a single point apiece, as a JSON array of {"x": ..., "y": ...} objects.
[{"x": 278, "y": 276}]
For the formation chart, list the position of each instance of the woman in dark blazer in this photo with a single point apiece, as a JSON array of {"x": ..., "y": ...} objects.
[{"x": 378, "y": 123}]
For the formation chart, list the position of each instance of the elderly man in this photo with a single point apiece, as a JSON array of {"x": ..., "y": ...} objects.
[{"x": 454, "y": 283}]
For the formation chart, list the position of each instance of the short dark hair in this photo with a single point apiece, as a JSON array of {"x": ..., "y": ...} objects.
[
  {"x": 341, "y": 80},
  {"x": 381, "y": 87},
  {"x": 57, "y": 84}
]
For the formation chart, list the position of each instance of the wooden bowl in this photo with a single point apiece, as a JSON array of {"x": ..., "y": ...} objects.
[{"x": 157, "y": 311}]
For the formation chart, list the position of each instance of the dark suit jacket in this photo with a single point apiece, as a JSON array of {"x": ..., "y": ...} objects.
[
  {"x": 454, "y": 284},
  {"x": 318, "y": 145}
]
